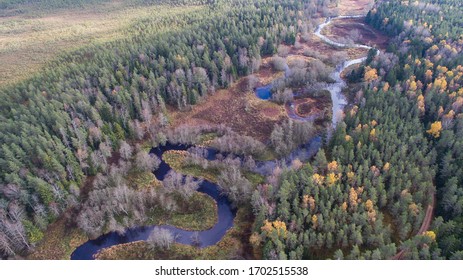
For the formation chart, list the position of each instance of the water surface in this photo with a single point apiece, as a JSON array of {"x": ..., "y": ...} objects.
[{"x": 206, "y": 238}]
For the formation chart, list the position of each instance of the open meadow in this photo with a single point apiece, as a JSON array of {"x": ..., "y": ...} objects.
[{"x": 29, "y": 38}]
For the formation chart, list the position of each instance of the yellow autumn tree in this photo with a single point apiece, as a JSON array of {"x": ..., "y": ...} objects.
[
  {"x": 333, "y": 166},
  {"x": 308, "y": 202},
  {"x": 435, "y": 130},
  {"x": 372, "y": 216},
  {"x": 370, "y": 74},
  {"x": 428, "y": 75},
  {"x": 442, "y": 69},
  {"x": 421, "y": 103},
  {"x": 386, "y": 166},
  {"x": 353, "y": 197},
  {"x": 440, "y": 83},
  {"x": 386, "y": 86},
  {"x": 431, "y": 234},
  {"x": 344, "y": 206},
  {"x": 428, "y": 64},
  {"x": 371, "y": 210},
  {"x": 375, "y": 170},
  {"x": 267, "y": 227},
  {"x": 373, "y": 134},
  {"x": 280, "y": 227},
  {"x": 314, "y": 221},
  {"x": 331, "y": 179},
  {"x": 276, "y": 226},
  {"x": 311, "y": 203},
  {"x": 369, "y": 205},
  {"x": 428, "y": 40},
  {"x": 414, "y": 209},
  {"x": 412, "y": 86},
  {"x": 305, "y": 201},
  {"x": 318, "y": 179}
]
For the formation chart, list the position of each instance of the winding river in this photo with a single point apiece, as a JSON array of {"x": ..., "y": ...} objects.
[
  {"x": 338, "y": 99},
  {"x": 206, "y": 238},
  {"x": 226, "y": 214}
]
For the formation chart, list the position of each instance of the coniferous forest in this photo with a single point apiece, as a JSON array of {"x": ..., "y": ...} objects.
[{"x": 81, "y": 138}]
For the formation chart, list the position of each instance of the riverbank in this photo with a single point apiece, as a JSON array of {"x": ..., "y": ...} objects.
[
  {"x": 234, "y": 245},
  {"x": 63, "y": 237},
  {"x": 198, "y": 213},
  {"x": 60, "y": 239},
  {"x": 178, "y": 161},
  {"x": 349, "y": 30}
]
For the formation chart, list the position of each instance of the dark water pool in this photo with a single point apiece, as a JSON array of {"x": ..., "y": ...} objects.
[
  {"x": 206, "y": 238},
  {"x": 264, "y": 92}
]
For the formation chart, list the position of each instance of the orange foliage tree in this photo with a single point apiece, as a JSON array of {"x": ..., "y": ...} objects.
[{"x": 436, "y": 128}]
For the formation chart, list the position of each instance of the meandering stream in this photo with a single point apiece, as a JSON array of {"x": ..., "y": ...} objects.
[
  {"x": 206, "y": 238},
  {"x": 338, "y": 99},
  {"x": 226, "y": 214}
]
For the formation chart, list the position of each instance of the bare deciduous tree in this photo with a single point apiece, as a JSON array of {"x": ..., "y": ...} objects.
[
  {"x": 125, "y": 150},
  {"x": 238, "y": 144},
  {"x": 283, "y": 50},
  {"x": 279, "y": 63},
  {"x": 12, "y": 233},
  {"x": 160, "y": 238},
  {"x": 283, "y": 96},
  {"x": 289, "y": 135},
  {"x": 184, "y": 185},
  {"x": 146, "y": 162},
  {"x": 234, "y": 185}
]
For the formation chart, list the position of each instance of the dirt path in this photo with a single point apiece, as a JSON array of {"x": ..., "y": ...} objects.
[
  {"x": 424, "y": 226},
  {"x": 349, "y": 7}
]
